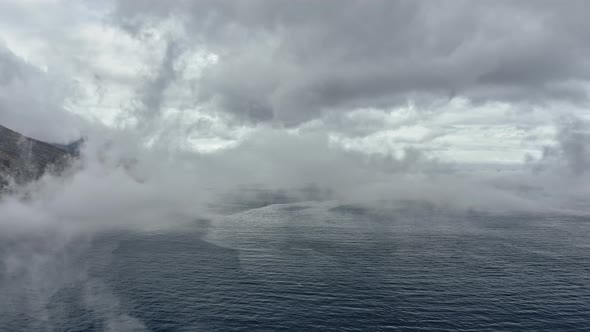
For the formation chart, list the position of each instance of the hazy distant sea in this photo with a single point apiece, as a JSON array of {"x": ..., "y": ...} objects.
[{"x": 307, "y": 267}]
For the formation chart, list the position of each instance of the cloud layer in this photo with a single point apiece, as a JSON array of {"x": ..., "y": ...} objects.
[
  {"x": 372, "y": 101},
  {"x": 290, "y": 61}
]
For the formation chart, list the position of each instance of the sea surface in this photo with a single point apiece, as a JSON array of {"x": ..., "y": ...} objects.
[{"x": 306, "y": 267}]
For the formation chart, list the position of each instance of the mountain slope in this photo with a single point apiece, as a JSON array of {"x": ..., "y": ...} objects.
[{"x": 25, "y": 159}]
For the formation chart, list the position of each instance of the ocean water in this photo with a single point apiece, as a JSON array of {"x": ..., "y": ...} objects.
[{"x": 306, "y": 267}]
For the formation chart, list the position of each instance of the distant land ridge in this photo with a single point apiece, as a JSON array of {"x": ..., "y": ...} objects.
[{"x": 25, "y": 159}]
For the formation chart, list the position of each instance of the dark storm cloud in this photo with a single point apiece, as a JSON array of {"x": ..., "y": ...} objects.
[{"x": 288, "y": 61}]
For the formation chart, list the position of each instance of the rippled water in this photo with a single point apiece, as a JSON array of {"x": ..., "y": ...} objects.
[{"x": 303, "y": 267}]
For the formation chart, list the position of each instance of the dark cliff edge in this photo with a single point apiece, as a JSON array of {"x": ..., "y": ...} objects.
[{"x": 24, "y": 159}]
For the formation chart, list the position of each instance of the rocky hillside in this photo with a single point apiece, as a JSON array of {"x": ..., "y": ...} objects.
[{"x": 25, "y": 159}]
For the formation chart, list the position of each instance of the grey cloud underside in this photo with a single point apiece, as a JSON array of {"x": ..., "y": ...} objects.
[{"x": 289, "y": 61}]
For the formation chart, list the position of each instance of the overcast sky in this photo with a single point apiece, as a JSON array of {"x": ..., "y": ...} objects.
[
  {"x": 475, "y": 105},
  {"x": 461, "y": 81}
]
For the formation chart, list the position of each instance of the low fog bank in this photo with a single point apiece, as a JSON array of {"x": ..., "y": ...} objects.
[
  {"x": 118, "y": 184},
  {"x": 121, "y": 183}
]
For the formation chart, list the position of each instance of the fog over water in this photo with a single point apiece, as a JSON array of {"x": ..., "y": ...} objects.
[{"x": 285, "y": 137}]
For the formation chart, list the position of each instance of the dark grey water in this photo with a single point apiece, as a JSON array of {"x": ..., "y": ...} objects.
[{"x": 308, "y": 268}]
